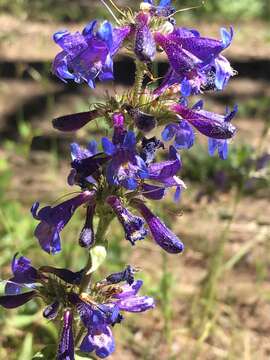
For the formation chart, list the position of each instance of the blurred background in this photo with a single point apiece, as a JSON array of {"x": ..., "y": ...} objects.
[{"x": 213, "y": 302}]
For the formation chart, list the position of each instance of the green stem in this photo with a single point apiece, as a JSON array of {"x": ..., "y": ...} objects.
[
  {"x": 139, "y": 75},
  {"x": 102, "y": 228}
]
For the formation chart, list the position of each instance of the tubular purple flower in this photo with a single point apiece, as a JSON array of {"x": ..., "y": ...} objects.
[
  {"x": 51, "y": 311},
  {"x": 68, "y": 276},
  {"x": 125, "y": 275},
  {"x": 129, "y": 290},
  {"x": 149, "y": 148},
  {"x": 163, "y": 236},
  {"x": 136, "y": 304},
  {"x": 66, "y": 344},
  {"x": 205, "y": 49},
  {"x": 101, "y": 342},
  {"x": 87, "y": 235},
  {"x": 23, "y": 274},
  {"x": 160, "y": 171},
  {"x": 119, "y": 130},
  {"x": 164, "y": 172},
  {"x": 164, "y": 9},
  {"x": 54, "y": 219},
  {"x": 88, "y": 55},
  {"x": 144, "y": 122},
  {"x": 126, "y": 167},
  {"x": 74, "y": 122},
  {"x": 193, "y": 58},
  {"x": 182, "y": 132},
  {"x": 145, "y": 46},
  {"x": 223, "y": 71},
  {"x": 128, "y": 300},
  {"x": 181, "y": 60},
  {"x": 86, "y": 169},
  {"x": 13, "y": 301},
  {"x": 133, "y": 225},
  {"x": 153, "y": 192},
  {"x": 220, "y": 145},
  {"x": 79, "y": 153},
  {"x": 210, "y": 124}
]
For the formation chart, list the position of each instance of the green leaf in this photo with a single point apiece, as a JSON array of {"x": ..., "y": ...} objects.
[
  {"x": 21, "y": 321},
  {"x": 26, "y": 349},
  {"x": 98, "y": 255},
  {"x": 82, "y": 356},
  {"x": 46, "y": 353}
]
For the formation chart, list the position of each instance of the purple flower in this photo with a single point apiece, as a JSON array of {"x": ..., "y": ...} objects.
[
  {"x": 79, "y": 153},
  {"x": 74, "y": 122},
  {"x": 14, "y": 301},
  {"x": 187, "y": 83},
  {"x": 195, "y": 60},
  {"x": 182, "y": 61},
  {"x": 182, "y": 132},
  {"x": 68, "y": 276},
  {"x": 88, "y": 55},
  {"x": 149, "y": 148},
  {"x": 164, "y": 172},
  {"x": 87, "y": 235},
  {"x": 144, "y": 122},
  {"x": 153, "y": 192},
  {"x": 85, "y": 164},
  {"x": 205, "y": 49},
  {"x": 98, "y": 310},
  {"x": 132, "y": 225},
  {"x": 223, "y": 71},
  {"x": 51, "y": 311},
  {"x": 102, "y": 342},
  {"x": 128, "y": 300},
  {"x": 66, "y": 344},
  {"x": 24, "y": 274},
  {"x": 126, "y": 168},
  {"x": 54, "y": 219},
  {"x": 163, "y": 236},
  {"x": 145, "y": 46},
  {"x": 118, "y": 126},
  {"x": 99, "y": 317},
  {"x": 220, "y": 145},
  {"x": 125, "y": 275},
  {"x": 163, "y": 9},
  {"x": 210, "y": 124}
]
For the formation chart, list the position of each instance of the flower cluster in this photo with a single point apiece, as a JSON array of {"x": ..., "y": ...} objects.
[
  {"x": 139, "y": 160},
  {"x": 97, "y": 310}
]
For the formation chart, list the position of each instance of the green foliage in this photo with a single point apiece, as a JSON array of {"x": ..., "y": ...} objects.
[
  {"x": 236, "y": 171},
  {"x": 65, "y": 10},
  {"x": 228, "y": 9},
  {"x": 61, "y": 10}
]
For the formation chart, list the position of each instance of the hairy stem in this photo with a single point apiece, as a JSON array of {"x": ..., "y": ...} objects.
[
  {"x": 102, "y": 228},
  {"x": 139, "y": 75}
]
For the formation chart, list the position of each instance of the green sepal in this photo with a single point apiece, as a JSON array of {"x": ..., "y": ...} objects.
[
  {"x": 46, "y": 353},
  {"x": 98, "y": 255}
]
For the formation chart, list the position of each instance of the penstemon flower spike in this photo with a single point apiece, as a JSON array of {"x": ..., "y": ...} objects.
[{"x": 117, "y": 175}]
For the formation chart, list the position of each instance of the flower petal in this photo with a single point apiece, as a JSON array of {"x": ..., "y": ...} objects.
[{"x": 13, "y": 301}]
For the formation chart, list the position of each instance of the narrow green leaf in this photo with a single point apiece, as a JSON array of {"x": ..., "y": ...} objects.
[
  {"x": 27, "y": 347},
  {"x": 45, "y": 354}
]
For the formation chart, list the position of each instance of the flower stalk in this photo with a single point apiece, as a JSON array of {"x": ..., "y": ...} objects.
[
  {"x": 103, "y": 225},
  {"x": 138, "y": 82},
  {"x": 117, "y": 177}
]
